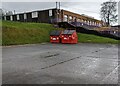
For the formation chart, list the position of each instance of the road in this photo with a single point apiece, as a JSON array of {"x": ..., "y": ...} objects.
[{"x": 60, "y": 64}]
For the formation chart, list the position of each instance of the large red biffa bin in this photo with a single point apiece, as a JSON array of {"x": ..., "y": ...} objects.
[
  {"x": 55, "y": 36},
  {"x": 69, "y": 36}
]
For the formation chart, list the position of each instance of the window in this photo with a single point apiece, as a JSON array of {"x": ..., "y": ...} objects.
[
  {"x": 70, "y": 18},
  {"x": 18, "y": 18},
  {"x": 11, "y": 18},
  {"x": 100, "y": 24},
  {"x": 4, "y": 17},
  {"x": 25, "y": 16},
  {"x": 95, "y": 23},
  {"x": 74, "y": 18},
  {"x": 82, "y": 20},
  {"x": 50, "y": 12},
  {"x": 34, "y": 14},
  {"x": 78, "y": 20},
  {"x": 88, "y": 22},
  {"x": 65, "y": 18},
  {"x": 114, "y": 32}
]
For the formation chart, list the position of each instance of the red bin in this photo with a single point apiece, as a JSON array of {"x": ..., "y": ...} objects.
[
  {"x": 69, "y": 36},
  {"x": 55, "y": 36}
]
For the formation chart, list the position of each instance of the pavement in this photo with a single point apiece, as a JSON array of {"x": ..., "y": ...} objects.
[{"x": 48, "y": 63}]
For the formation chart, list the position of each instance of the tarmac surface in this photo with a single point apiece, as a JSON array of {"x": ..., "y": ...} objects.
[{"x": 60, "y": 64}]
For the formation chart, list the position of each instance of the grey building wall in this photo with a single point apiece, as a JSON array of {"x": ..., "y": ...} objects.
[
  {"x": 14, "y": 18},
  {"x": 7, "y": 17},
  {"x": 43, "y": 16},
  {"x": 29, "y": 17},
  {"x": 21, "y": 18}
]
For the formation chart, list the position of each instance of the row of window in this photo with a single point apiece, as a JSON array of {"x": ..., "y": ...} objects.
[
  {"x": 34, "y": 15},
  {"x": 71, "y": 19},
  {"x": 18, "y": 17}
]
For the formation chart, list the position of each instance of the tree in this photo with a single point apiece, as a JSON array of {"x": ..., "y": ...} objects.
[
  {"x": 109, "y": 12},
  {"x": 1, "y": 14}
]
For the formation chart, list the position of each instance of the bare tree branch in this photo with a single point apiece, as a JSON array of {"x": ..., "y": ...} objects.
[{"x": 108, "y": 12}]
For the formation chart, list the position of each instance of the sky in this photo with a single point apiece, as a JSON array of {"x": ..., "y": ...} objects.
[
  {"x": 88, "y": 7},
  {"x": 119, "y": 13}
]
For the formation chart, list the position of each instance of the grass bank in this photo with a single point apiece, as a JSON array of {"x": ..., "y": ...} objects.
[
  {"x": 15, "y": 33},
  {"x": 87, "y": 38}
]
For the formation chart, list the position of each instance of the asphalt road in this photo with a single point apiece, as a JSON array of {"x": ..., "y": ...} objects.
[{"x": 60, "y": 64}]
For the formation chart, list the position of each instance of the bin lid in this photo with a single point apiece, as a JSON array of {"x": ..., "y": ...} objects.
[
  {"x": 69, "y": 32},
  {"x": 65, "y": 31},
  {"x": 55, "y": 33}
]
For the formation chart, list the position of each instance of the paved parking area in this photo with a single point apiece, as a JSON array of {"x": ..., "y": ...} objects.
[{"x": 60, "y": 64}]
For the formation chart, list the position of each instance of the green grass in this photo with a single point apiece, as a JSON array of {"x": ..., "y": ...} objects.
[
  {"x": 86, "y": 38},
  {"x": 0, "y": 32},
  {"x": 15, "y": 33}
]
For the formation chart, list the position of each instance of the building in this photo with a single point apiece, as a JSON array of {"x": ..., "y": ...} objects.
[{"x": 53, "y": 16}]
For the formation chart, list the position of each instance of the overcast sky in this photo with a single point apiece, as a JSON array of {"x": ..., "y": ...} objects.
[
  {"x": 119, "y": 13},
  {"x": 90, "y": 8}
]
